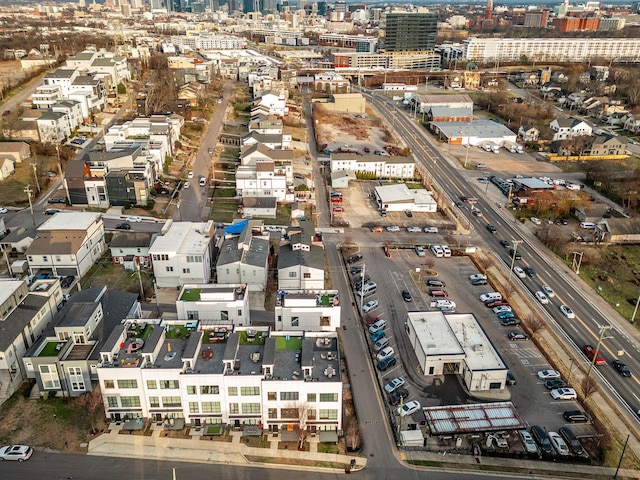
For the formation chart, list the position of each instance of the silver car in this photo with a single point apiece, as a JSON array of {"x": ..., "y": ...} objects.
[{"x": 528, "y": 443}]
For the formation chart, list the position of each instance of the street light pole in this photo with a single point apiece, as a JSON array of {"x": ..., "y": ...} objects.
[
  {"x": 35, "y": 174},
  {"x": 29, "y": 191},
  {"x": 513, "y": 257},
  {"x": 603, "y": 329}
]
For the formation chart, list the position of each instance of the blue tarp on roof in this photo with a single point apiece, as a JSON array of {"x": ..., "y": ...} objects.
[{"x": 236, "y": 228}]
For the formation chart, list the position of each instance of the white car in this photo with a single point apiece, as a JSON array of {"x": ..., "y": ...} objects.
[
  {"x": 437, "y": 251},
  {"x": 420, "y": 251},
  {"x": 16, "y": 452},
  {"x": 535, "y": 221},
  {"x": 542, "y": 298},
  {"x": 273, "y": 228},
  {"x": 501, "y": 308},
  {"x": 385, "y": 352},
  {"x": 567, "y": 312},
  {"x": 190, "y": 174},
  {"x": 133, "y": 219},
  {"x": 430, "y": 229},
  {"x": 477, "y": 276},
  {"x": 548, "y": 291},
  {"x": 394, "y": 384},
  {"x": 558, "y": 443},
  {"x": 564, "y": 394},
  {"x": 370, "y": 305},
  {"x": 446, "y": 251},
  {"x": 519, "y": 272},
  {"x": 414, "y": 229},
  {"x": 409, "y": 408},
  {"x": 393, "y": 228},
  {"x": 444, "y": 303},
  {"x": 187, "y": 184},
  {"x": 3, "y": 210},
  {"x": 548, "y": 374}
]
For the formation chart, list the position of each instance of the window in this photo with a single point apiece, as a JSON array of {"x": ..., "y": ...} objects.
[
  {"x": 211, "y": 407},
  {"x": 44, "y": 258},
  {"x": 193, "y": 315},
  {"x": 239, "y": 313},
  {"x": 328, "y": 397},
  {"x": 132, "y": 383},
  {"x": 171, "y": 402},
  {"x": 233, "y": 391},
  {"x": 76, "y": 379},
  {"x": 293, "y": 274},
  {"x": 306, "y": 275},
  {"x": 154, "y": 402},
  {"x": 272, "y": 396},
  {"x": 224, "y": 315},
  {"x": 295, "y": 321},
  {"x": 209, "y": 389},
  {"x": 152, "y": 384},
  {"x": 273, "y": 413},
  {"x": 169, "y": 269},
  {"x": 288, "y": 396},
  {"x": 130, "y": 401},
  {"x": 249, "y": 391},
  {"x": 192, "y": 389},
  {"x": 169, "y": 384},
  {"x": 311, "y": 397},
  {"x": 312, "y": 414},
  {"x": 109, "y": 384},
  {"x": 250, "y": 408},
  {"x": 289, "y": 413},
  {"x": 328, "y": 414},
  {"x": 186, "y": 270},
  {"x": 112, "y": 402},
  {"x": 194, "y": 407},
  {"x": 233, "y": 409}
]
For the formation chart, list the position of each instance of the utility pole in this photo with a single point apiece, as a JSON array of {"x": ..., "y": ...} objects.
[
  {"x": 62, "y": 177},
  {"x": 635, "y": 310},
  {"x": 29, "y": 191},
  {"x": 35, "y": 174},
  {"x": 603, "y": 329},
  {"x": 513, "y": 256},
  {"x": 577, "y": 265}
]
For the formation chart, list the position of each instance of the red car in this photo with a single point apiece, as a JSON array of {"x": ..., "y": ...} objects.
[
  {"x": 590, "y": 352},
  {"x": 377, "y": 229},
  {"x": 338, "y": 209},
  {"x": 336, "y": 199},
  {"x": 436, "y": 292},
  {"x": 495, "y": 303}
]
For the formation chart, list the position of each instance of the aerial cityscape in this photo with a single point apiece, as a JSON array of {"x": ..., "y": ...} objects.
[{"x": 268, "y": 237}]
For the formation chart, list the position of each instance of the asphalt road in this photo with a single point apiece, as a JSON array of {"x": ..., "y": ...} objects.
[{"x": 591, "y": 311}]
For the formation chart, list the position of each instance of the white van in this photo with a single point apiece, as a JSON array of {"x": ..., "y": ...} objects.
[
  {"x": 368, "y": 289},
  {"x": 589, "y": 225},
  {"x": 485, "y": 297},
  {"x": 446, "y": 251},
  {"x": 379, "y": 325},
  {"x": 437, "y": 251}
]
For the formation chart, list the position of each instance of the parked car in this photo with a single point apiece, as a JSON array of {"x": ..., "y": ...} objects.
[
  {"x": 273, "y": 229},
  {"x": 338, "y": 210},
  {"x": 435, "y": 282},
  {"x": 542, "y": 298},
  {"x": 16, "y": 452},
  {"x": 511, "y": 379},
  {"x": 356, "y": 269},
  {"x": 406, "y": 295},
  {"x": 555, "y": 383},
  {"x": 414, "y": 229},
  {"x": 123, "y": 226},
  {"x": 370, "y": 305},
  {"x": 67, "y": 281},
  {"x": 621, "y": 368},
  {"x": 479, "y": 281},
  {"x": 384, "y": 352},
  {"x": 501, "y": 308},
  {"x": 377, "y": 229},
  {"x": 528, "y": 442},
  {"x": 564, "y": 394},
  {"x": 393, "y": 228},
  {"x": 133, "y": 219},
  {"x": 436, "y": 292},
  {"x": 186, "y": 185},
  {"x": 572, "y": 442},
  {"x": 576, "y": 416},
  {"x": 386, "y": 363},
  {"x": 408, "y": 213},
  {"x": 57, "y": 200},
  {"x": 51, "y": 211},
  {"x": 356, "y": 257},
  {"x": 420, "y": 251},
  {"x": 540, "y": 436},
  {"x": 409, "y": 408},
  {"x": 535, "y": 221},
  {"x": 430, "y": 229},
  {"x": 494, "y": 303},
  {"x": 190, "y": 174},
  {"x": 477, "y": 276},
  {"x": 548, "y": 374},
  {"x": 397, "y": 396},
  {"x": 558, "y": 443},
  {"x": 518, "y": 336},
  {"x": 510, "y": 322},
  {"x": 505, "y": 314},
  {"x": 567, "y": 312},
  {"x": 394, "y": 384}
]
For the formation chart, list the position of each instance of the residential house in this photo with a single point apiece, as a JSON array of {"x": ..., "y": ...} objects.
[
  {"x": 379, "y": 165},
  {"x": 24, "y": 317},
  {"x": 244, "y": 256},
  {"x": 607, "y": 144},
  {"x": 182, "y": 253},
  {"x": 266, "y": 124},
  {"x": 318, "y": 311},
  {"x": 53, "y": 127},
  {"x": 6, "y": 168},
  {"x": 64, "y": 361},
  {"x": 67, "y": 244},
  {"x": 274, "y": 104},
  {"x": 620, "y": 231},
  {"x": 274, "y": 141},
  {"x": 256, "y": 377},
  {"x": 72, "y": 110},
  {"x": 569, "y": 127},
  {"x": 46, "y": 95},
  {"x": 131, "y": 249},
  {"x": 19, "y": 238},
  {"x": 632, "y": 122},
  {"x": 265, "y": 173},
  {"x": 17, "y": 151},
  {"x": 330, "y": 82},
  {"x": 259, "y": 207},
  {"x": 301, "y": 260},
  {"x": 527, "y": 133},
  {"x": 214, "y": 305},
  {"x": 90, "y": 91}
]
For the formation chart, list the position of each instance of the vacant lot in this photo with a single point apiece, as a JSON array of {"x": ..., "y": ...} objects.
[{"x": 12, "y": 189}]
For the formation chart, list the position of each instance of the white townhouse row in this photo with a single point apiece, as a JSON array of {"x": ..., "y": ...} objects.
[
  {"x": 245, "y": 377},
  {"x": 381, "y": 166}
]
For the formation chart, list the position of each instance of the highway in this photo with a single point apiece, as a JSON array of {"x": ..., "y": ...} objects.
[{"x": 618, "y": 340}]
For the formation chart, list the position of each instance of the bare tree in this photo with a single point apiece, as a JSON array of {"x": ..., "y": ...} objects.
[
  {"x": 589, "y": 386},
  {"x": 534, "y": 323},
  {"x": 303, "y": 419},
  {"x": 91, "y": 402},
  {"x": 484, "y": 263},
  {"x": 352, "y": 433}
]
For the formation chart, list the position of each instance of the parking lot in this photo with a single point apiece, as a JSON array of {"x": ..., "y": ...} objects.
[{"x": 392, "y": 275}]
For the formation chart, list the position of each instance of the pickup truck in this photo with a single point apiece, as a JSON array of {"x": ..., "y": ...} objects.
[{"x": 590, "y": 352}]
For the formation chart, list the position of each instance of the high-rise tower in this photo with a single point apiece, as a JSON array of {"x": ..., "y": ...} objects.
[
  {"x": 489, "y": 13},
  {"x": 409, "y": 32}
]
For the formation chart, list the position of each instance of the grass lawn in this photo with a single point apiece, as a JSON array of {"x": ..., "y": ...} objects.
[
  {"x": 50, "y": 350},
  {"x": 224, "y": 212},
  {"x": 213, "y": 430},
  {"x": 294, "y": 343},
  {"x": 257, "y": 340},
  {"x": 190, "y": 295},
  {"x": 220, "y": 192},
  {"x": 230, "y": 153}
]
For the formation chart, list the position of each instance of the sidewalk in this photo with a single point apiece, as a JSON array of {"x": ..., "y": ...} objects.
[{"x": 199, "y": 450}]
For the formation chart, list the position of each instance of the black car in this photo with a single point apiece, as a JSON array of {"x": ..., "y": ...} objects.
[
  {"x": 576, "y": 416},
  {"x": 492, "y": 228},
  {"x": 511, "y": 379},
  {"x": 517, "y": 254},
  {"x": 509, "y": 322},
  {"x": 51, "y": 211},
  {"x": 530, "y": 271},
  {"x": 397, "y": 395},
  {"x": 541, "y": 438},
  {"x": 434, "y": 282},
  {"x": 123, "y": 226},
  {"x": 406, "y": 294},
  {"x": 505, "y": 243},
  {"x": 67, "y": 281},
  {"x": 621, "y": 368},
  {"x": 572, "y": 442},
  {"x": 57, "y": 200},
  {"x": 356, "y": 257},
  {"x": 408, "y": 213},
  {"x": 356, "y": 269},
  {"x": 360, "y": 279},
  {"x": 555, "y": 383}
]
